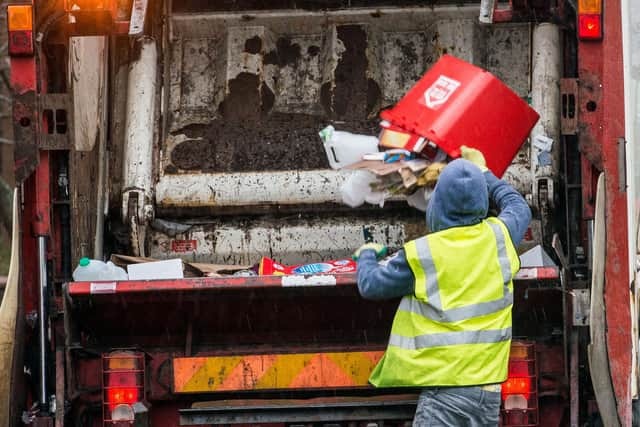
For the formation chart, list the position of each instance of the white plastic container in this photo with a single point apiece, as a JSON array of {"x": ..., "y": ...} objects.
[
  {"x": 156, "y": 270},
  {"x": 345, "y": 148},
  {"x": 90, "y": 270}
]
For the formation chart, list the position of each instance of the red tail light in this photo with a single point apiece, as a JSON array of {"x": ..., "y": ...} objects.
[
  {"x": 590, "y": 19},
  {"x": 119, "y": 395},
  {"x": 517, "y": 385},
  {"x": 590, "y": 27},
  {"x": 123, "y": 384},
  {"x": 520, "y": 391}
]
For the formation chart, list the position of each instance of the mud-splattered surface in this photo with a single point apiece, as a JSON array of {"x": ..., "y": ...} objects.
[
  {"x": 282, "y": 142},
  {"x": 286, "y": 53},
  {"x": 239, "y": 5},
  {"x": 350, "y": 95},
  {"x": 251, "y": 136},
  {"x": 256, "y": 102},
  {"x": 247, "y": 100}
]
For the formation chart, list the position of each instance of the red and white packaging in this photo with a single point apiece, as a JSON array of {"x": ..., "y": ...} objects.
[{"x": 269, "y": 267}]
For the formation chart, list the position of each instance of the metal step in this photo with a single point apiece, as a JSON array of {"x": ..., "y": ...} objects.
[{"x": 318, "y": 410}]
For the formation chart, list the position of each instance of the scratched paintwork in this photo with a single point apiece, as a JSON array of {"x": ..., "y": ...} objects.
[{"x": 290, "y": 241}]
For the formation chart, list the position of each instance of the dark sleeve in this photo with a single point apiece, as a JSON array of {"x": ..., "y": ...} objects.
[
  {"x": 514, "y": 211},
  {"x": 378, "y": 281}
]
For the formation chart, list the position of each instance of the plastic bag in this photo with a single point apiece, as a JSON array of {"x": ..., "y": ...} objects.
[
  {"x": 420, "y": 198},
  {"x": 356, "y": 190}
]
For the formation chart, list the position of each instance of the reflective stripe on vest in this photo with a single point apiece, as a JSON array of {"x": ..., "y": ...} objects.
[
  {"x": 433, "y": 310},
  {"x": 450, "y": 338}
]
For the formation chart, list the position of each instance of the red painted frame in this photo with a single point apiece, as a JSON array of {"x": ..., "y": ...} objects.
[
  {"x": 602, "y": 123},
  {"x": 36, "y": 194},
  {"x": 252, "y": 282}
]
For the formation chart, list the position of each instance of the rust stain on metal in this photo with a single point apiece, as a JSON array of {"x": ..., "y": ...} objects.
[{"x": 590, "y": 96}]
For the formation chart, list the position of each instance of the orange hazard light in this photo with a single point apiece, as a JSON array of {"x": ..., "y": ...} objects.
[
  {"x": 20, "y": 26},
  {"x": 589, "y": 6},
  {"x": 20, "y": 17},
  {"x": 89, "y": 5}
]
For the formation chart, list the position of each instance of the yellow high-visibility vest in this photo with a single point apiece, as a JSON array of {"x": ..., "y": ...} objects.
[{"x": 456, "y": 328}]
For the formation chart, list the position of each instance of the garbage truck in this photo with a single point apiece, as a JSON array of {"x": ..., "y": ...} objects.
[{"x": 189, "y": 130}]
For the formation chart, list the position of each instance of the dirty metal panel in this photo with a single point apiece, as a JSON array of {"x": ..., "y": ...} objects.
[
  {"x": 296, "y": 83},
  {"x": 518, "y": 174},
  {"x": 581, "y": 306},
  {"x": 199, "y": 85},
  {"x": 405, "y": 57},
  {"x": 569, "y": 106},
  {"x": 504, "y": 51},
  {"x": 56, "y": 112},
  {"x": 273, "y": 371},
  {"x": 249, "y": 93},
  {"x": 287, "y": 240},
  {"x": 390, "y": 410},
  {"x": 25, "y": 153},
  {"x": 250, "y": 188}
]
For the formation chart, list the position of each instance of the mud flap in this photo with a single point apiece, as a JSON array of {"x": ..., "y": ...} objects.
[
  {"x": 8, "y": 317},
  {"x": 597, "y": 349}
]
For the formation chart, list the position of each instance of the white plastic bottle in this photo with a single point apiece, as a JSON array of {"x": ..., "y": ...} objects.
[
  {"x": 116, "y": 273},
  {"x": 89, "y": 269},
  {"x": 345, "y": 148},
  {"x": 96, "y": 270}
]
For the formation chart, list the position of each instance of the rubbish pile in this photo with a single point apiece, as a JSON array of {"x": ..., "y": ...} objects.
[
  {"x": 124, "y": 267},
  {"x": 379, "y": 175},
  {"x": 454, "y": 104}
]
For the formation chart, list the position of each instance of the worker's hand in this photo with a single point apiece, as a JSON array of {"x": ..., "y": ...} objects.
[
  {"x": 381, "y": 250},
  {"x": 474, "y": 156},
  {"x": 430, "y": 175}
]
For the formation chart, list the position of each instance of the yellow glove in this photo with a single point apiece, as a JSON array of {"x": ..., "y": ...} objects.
[
  {"x": 381, "y": 250},
  {"x": 474, "y": 156},
  {"x": 430, "y": 175}
]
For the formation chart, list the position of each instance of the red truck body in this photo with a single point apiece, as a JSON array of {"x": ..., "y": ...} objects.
[{"x": 284, "y": 350}]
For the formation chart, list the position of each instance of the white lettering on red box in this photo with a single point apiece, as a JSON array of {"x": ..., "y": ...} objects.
[
  {"x": 440, "y": 91},
  {"x": 184, "y": 245}
]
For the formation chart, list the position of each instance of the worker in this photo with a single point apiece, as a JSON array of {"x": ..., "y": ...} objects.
[{"x": 452, "y": 331}]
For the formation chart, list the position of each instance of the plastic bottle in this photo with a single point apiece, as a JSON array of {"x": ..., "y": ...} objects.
[
  {"x": 96, "y": 270},
  {"x": 115, "y": 272},
  {"x": 345, "y": 148}
]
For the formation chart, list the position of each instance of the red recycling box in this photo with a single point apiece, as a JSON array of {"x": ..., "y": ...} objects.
[{"x": 456, "y": 103}]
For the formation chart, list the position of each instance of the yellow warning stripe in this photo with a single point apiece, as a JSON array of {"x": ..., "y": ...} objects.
[{"x": 273, "y": 371}]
